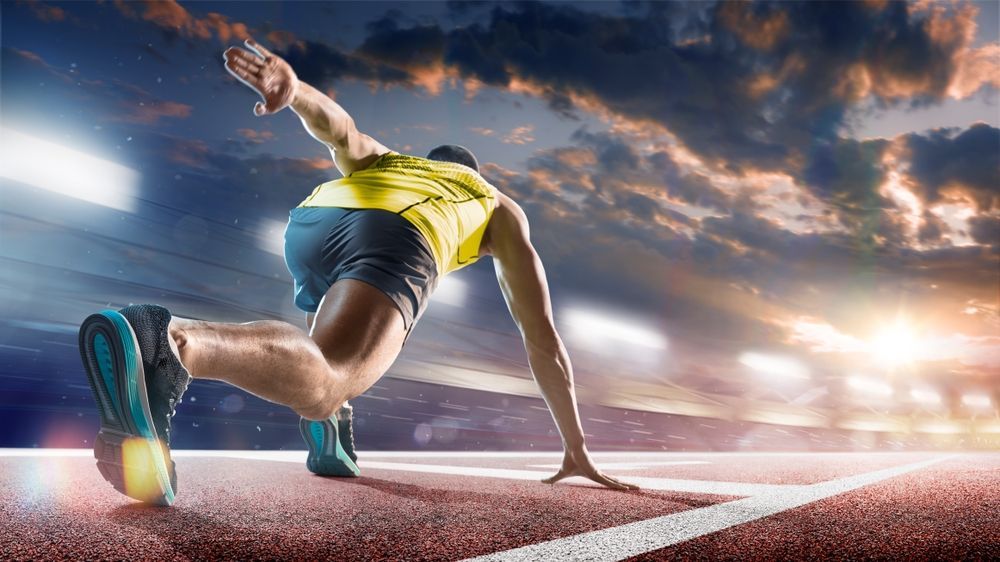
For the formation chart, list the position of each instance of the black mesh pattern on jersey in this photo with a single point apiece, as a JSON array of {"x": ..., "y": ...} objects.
[{"x": 166, "y": 378}]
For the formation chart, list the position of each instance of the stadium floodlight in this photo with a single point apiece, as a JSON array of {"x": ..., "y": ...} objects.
[
  {"x": 941, "y": 427},
  {"x": 869, "y": 386},
  {"x": 783, "y": 367},
  {"x": 593, "y": 325},
  {"x": 271, "y": 236},
  {"x": 976, "y": 400},
  {"x": 450, "y": 290},
  {"x": 63, "y": 170},
  {"x": 925, "y": 396}
]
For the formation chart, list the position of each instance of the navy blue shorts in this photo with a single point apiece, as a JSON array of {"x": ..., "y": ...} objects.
[{"x": 381, "y": 248}]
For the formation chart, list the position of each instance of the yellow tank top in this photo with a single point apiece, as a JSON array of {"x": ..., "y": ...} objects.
[{"x": 450, "y": 204}]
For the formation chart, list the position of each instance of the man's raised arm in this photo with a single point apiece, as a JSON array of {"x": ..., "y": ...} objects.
[
  {"x": 271, "y": 77},
  {"x": 522, "y": 281}
]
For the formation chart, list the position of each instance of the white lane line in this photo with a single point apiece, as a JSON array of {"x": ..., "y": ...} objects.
[
  {"x": 641, "y": 537},
  {"x": 38, "y": 452},
  {"x": 625, "y": 465},
  {"x": 740, "y": 489},
  {"x": 46, "y": 452}
]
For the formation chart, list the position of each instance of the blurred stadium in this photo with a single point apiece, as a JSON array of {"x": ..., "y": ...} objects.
[
  {"x": 460, "y": 384},
  {"x": 820, "y": 276}
]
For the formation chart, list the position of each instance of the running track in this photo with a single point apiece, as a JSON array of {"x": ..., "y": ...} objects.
[{"x": 452, "y": 506}]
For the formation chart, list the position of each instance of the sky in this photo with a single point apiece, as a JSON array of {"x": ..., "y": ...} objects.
[{"x": 794, "y": 203}]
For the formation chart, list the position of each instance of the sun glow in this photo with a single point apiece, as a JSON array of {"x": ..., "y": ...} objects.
[{"x": 895, "y": 345}]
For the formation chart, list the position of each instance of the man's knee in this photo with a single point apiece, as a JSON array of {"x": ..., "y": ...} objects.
[
  {"x": 320, "y": 404},
  {"x": 321, "y": 400},
  {"x": 324, "y": 401}
]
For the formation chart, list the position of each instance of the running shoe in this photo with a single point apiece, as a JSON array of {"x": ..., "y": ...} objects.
[
  {"x": 330, "y": 454},
  {"x": 137, "y": 382}
]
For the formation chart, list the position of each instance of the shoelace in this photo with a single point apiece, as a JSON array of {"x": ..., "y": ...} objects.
[{"x": 346, "y": 430}]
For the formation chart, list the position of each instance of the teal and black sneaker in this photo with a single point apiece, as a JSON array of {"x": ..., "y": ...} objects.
[
  {"x": 331, "y": 444},
  {"x": 137, "y": 382}
]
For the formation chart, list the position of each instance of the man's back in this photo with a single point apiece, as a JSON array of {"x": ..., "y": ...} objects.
[{"x": 449, "y": 203}]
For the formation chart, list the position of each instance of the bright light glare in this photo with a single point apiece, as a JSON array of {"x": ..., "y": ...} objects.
[
  {"x": 450, "y": 291},
  {"x": 65, "y": 171},
  {"x": 271, "y": 236},
  {"x": 925, "y": 396},
  {"x": 976, "y": 400},
  {"x": 941, "y": 427},
  {"x": 868, "y": 386},
  {"x": 774, "y": 365},
  {"x": 593, "y": 326},
  {"x": 894, "y": 345}
]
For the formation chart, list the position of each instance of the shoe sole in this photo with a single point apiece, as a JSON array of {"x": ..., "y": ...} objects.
[
  {"x": 128, "y": 453},
  {"x": 326, "y": 456}
]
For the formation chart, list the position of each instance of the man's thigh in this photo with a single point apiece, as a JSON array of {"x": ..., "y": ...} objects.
[{"x": 358, "y": 328}]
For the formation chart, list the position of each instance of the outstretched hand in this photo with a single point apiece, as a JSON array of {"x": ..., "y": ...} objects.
[
  {"x": 577, "y": 462},
  {"x": 268, "y": 74}
]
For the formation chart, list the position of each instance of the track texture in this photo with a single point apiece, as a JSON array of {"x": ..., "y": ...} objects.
[
  {"x": 950, "y": 511},
  {"x": 59, "y": 508}
]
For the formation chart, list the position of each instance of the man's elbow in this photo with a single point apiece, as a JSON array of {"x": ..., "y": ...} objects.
[{"x": 542, "y": 339}]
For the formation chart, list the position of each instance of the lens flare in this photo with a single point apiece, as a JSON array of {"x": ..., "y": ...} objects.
[{"x": 140, "y": 468}]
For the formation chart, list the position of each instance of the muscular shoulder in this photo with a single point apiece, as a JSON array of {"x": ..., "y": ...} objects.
[{"x": 507, "y": 224}]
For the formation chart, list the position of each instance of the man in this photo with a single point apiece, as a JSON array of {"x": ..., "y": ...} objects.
[{"x": 366, "y": 252}]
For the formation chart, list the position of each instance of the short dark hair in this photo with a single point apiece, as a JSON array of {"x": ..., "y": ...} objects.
[{"x": 454, "y": 153}]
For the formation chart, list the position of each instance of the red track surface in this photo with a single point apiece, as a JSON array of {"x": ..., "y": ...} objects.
[{"x": 59, "y": 507}]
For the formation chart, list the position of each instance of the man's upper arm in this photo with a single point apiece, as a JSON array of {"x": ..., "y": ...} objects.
[
  {"x": 522, "y": 278},
  {"x": 356, "y": 152}
]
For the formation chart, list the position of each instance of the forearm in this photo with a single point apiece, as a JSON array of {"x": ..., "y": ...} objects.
[
  {"x": 553, "y": 373},
  {"x": 322, "y": 117}
]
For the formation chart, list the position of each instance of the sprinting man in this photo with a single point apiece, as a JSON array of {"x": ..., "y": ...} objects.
[{"x": 366, "y": 252}]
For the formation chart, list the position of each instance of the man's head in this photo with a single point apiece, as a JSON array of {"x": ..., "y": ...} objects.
[{"x": 454, "y": 153}]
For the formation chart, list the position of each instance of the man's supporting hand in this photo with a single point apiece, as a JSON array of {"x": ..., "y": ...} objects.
[
  {"x": 268, "y": 74},
  {"x": 577, "y": 462}
]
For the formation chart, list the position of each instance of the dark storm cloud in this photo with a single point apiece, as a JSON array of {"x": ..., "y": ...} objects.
[
  {"x": 766, "y": 80},
  {"x": 424, "y": 44},
  {"x": 692, "y": 188},
  {"x": 967, "y": 162},
  {"x": 761, "y": 86},
  {"x": 985, "y": 230},
  {"x": 323, "y": 65},
  {"x": 846, "y": 175},
  {"x": 932, "y": 229}
]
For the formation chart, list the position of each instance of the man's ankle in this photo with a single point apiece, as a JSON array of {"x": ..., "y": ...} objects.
[{"x": 177, "y": 336}]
